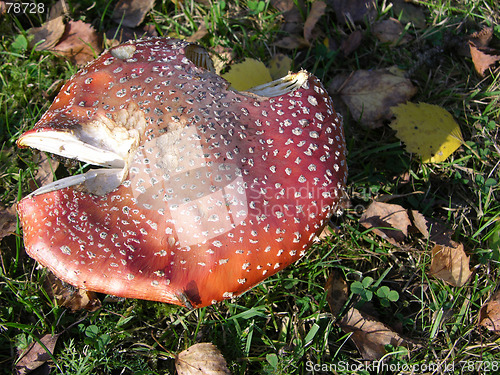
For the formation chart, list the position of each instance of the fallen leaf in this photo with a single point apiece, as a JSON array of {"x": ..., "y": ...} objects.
[
  {"x": 291, "y": 42},
  {"x": 60, "y": 8},
  {"x": 390, "y": 221},
  {"x": 199, "y": 34},
  {"x": 337, "y": 292},
  {"x": 370, "y": 335},
  {"x": 370, "y": 94},
  {"x": 121, "y": 34},
  {"x": 36, "y": 355},
  {"x": 318, "y": 9},
  {"x": 131, "y": 13},
  {"x": 70, "y": 297},
  {"x": 489, "y": 315},
  {"x": 45, "y": 172},
  {"x": 201, "y": 359},
  {"x": 279, "y": 66},
  {"x": 482, "y": 57},
  {"x": 427, "y": 130},
  {"x": 433, "y": 230},
  {"x": 450, "y": 264},
  {"x": 247, "y": 74},
  {"x": 354, "y": 11},
  {"x": 391, "y": 31},
  {"x": 48, "y": 35},
  {"x": 482, "y": 38},
  {"x": 79, "y": 42},
  {"x": 292, "y": 11},
  {"x": 8, "y": 221},
  {"x": 408, "y": 12},
  {"x": 352, "y": 42}
]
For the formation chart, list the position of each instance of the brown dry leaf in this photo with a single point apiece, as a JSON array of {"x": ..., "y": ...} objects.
[
  {"x": 482, "y": 38},
  {"x": 352, "y": 42},
  {"x": 318, "y": 9},
  {"x": 35, "y": 354},
  {"x": 389, "y": 221},
  {"x": 450, "y": 264},
  {"x": 48, "y": 35},
  {"x": 8, "y": 221},
  {"x": 60, "y": 8},
  {"x": 118, "y": 35},
  {"x": 337, "y": 292},
  {"x": 292, "y": 15},
  {"x": 45, "y": 172},
  {"x": 293, "y": 24},
  {"x": 370, "y": 94},
  {"x": 68, "y": 296},
  {"x": 433, "y": 230},
  {"x": 483, "y": 58},
  {"x": 3, "y": 8},
  {"x": 391, "y": 31},
  {"x": 348, "y": 11},
  {"x": 201, "y": 359},
  {"x": 131, "y": 13},
  {"x": 79, "y": 42},
  {"x": 200, "y": 33},
  {"x": 370, "y": 335},
  {"x": 489, "y": 315},
  {"x": 291, "y": 42}
]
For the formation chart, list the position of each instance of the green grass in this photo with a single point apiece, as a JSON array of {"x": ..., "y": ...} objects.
[{"x": 284, "y": 325}]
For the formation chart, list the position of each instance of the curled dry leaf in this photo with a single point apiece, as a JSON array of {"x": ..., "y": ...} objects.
[
  {"x": 483, "y": 57},
  {"x": 489, "y": 315},
  {"x": 35, "y": 354},
  {"x": 48, "y": 35},
  {"x": 369, "y": 94},
  {"x": 337, "y": 292},
  {"x": 80, "y": 43},
  {"x": 389, "y": 221},
  {"x": 450, "y": 264},
  {"x": 131, "y": 13},
  {"x": 391, "y": 31},
  {"x": 201, "y": 359},
  {"x": 318, "y": 9},
  {"x": 70, "y": 297},
  {"x": 370, "y": 335}
]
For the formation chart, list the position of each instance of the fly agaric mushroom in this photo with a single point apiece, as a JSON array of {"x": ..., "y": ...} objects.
[{"x": 206, "y": 191}]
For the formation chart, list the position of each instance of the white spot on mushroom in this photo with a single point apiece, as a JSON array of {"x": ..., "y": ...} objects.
[{"x": 123, "y": 52}]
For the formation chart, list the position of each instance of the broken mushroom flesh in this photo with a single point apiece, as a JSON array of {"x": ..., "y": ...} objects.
[{"x": 204, "y": 191}]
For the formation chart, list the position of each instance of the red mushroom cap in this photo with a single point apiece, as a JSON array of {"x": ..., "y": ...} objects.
[{"x": 207, "y": 191}]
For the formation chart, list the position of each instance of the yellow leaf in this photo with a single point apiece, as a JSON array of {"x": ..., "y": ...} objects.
[
  {"x": 279, "y": 66},
  {"x": 248, "y": 74},
  {"x": 427, "y": 130}
]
